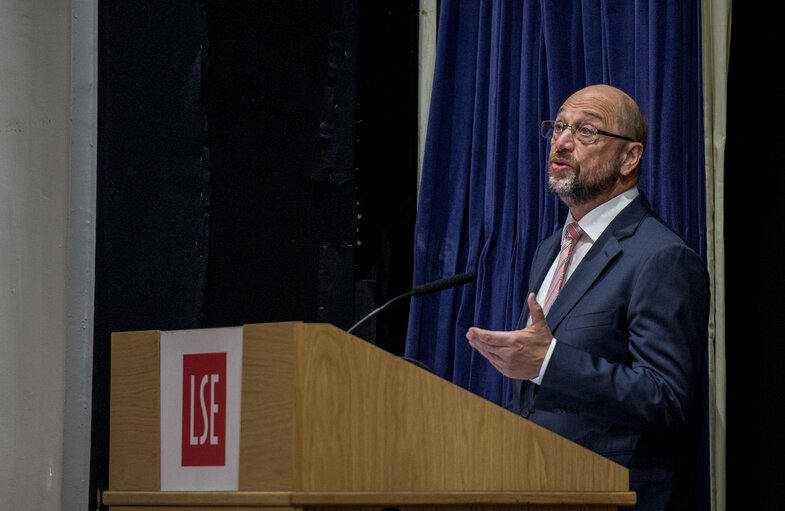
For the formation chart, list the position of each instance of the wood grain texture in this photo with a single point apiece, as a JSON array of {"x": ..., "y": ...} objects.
[
  {"x": 135, "y": 415},
  {"x": 267, "y": 458},
  {"x": 371, "y": 421}
]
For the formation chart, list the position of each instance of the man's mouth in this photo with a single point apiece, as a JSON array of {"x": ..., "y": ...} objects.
[{"x": 560, "y": 165}]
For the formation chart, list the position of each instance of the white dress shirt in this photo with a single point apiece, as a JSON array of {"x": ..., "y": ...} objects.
[{"x": 593, "y": 224}]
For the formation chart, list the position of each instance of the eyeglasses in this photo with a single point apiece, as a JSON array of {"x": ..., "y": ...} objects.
[{"x": 585, "y": 133}]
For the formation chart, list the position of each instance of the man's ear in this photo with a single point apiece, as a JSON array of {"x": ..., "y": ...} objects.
[{"x": 631, "y": 157}]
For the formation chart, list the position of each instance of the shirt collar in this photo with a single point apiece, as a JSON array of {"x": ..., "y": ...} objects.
[{"x": 598, "y": 219}]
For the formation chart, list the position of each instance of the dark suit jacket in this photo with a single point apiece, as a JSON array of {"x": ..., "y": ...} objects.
[{"x": 631, "y": 330}]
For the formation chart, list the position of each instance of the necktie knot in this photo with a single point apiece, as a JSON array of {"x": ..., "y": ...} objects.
[{"x": 573, "y": 231}]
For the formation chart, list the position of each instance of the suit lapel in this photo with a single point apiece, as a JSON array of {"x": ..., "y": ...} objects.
[{"x": 601, "y": 254}]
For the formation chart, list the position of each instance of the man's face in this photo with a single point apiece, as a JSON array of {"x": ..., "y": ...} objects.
[{"x": 580, "y": 173}]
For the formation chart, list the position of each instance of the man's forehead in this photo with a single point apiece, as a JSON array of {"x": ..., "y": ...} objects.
[
  {"x": 591, "y": 114},
  {"x": 589, "y": 105}
]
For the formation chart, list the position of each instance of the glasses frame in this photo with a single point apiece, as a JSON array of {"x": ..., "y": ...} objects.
[{"x": 546, "y": 126}]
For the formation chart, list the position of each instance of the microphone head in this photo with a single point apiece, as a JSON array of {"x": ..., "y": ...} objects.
[{"x": 439, "y": 285}]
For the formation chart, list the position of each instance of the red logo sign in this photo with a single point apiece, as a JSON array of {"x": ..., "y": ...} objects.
[{"x": 204, "y": 409}]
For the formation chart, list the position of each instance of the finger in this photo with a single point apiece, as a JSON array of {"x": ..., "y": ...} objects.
[
  {"x": 474, "y": 332},
  {"x": 488, "y": 338},
  {"x": 495, "y": 360},
  {"x": 473, "y": 336},
  {"x": 535, "y": 309},
  {"x": 491, "y": 353}
]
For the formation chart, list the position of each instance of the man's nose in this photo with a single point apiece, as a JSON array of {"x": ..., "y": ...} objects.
[{"x": 563, "y": 141}]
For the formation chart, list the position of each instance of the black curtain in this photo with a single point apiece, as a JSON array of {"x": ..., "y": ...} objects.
[
  {"x": 281, "y": 102},
  {"x": 152, "y": 184},
  {"x": 755, "y": 278},
  {"x": 256, "y": 163}
]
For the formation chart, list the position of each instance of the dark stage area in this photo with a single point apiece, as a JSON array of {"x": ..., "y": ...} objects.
[
  {"x": 256, "y": 163},
  {"x": 754, "y": 227}
]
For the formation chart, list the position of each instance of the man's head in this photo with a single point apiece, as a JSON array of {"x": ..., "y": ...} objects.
[{"x": 586, "y": 170}]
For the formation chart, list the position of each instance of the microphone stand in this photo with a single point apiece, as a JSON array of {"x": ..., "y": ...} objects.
[{"x": 375, "y": 311}]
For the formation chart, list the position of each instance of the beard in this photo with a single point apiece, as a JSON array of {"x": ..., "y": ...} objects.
[{"x": 579, "y": 189}]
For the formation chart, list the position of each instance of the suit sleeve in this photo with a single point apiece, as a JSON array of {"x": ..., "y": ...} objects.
[{"x": 654, "y": 387}]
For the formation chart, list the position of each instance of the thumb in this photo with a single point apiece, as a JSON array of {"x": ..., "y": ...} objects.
[{"x": 535, "y": 309}]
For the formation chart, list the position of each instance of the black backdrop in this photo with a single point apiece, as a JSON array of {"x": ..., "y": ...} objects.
[
  {"x": 256, "y": 163},
  {"x": 755, "y": 275}
]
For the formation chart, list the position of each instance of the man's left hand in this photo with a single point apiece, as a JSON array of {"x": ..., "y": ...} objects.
[{"x": 517, "y": 354}]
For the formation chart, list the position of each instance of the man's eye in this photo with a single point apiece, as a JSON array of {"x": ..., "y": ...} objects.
[
  {"x": 558, "y": 127},
  {"x": 586, "y": 130}
]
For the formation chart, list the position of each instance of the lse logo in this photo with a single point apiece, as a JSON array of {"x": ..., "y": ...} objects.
[{"x": 204, "y": 410}]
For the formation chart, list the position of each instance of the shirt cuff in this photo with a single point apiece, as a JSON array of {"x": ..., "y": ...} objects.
[{"x": 545, "y": 362}]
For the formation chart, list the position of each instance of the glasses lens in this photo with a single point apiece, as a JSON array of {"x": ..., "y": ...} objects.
[
  {"x": 546, "y": 129},
  {"x": 587, "y": 133}
]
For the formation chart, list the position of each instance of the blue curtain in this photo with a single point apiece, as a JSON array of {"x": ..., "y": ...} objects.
[{"x": 501, "y": 68}]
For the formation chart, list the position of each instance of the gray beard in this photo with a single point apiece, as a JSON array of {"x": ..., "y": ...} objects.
[{"x": 576, "y": 192}]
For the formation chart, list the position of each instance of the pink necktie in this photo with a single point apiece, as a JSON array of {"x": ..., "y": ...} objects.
[{"x": 571, "y": 236}]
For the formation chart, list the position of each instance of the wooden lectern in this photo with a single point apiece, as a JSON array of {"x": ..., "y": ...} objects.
[{"x": 329, "y": 421}]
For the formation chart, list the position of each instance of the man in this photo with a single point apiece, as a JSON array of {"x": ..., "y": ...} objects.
[{"x": 614, "y": 361}]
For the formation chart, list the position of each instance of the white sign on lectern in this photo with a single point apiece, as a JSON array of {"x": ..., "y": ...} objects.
[{"x": 201, "y": 379}]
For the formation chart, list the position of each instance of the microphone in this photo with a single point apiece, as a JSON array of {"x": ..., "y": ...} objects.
[
  {"x": 438, "y": 285},
  {"x": 422, "y": 289}
]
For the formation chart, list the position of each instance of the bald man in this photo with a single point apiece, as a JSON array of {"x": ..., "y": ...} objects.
[{"x": 612, "y": 339}]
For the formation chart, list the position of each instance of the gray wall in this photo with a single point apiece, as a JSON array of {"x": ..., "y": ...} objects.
[{"x": 46, "y": 229}]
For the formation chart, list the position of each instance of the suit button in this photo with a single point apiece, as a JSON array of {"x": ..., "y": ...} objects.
[{"x": 525, "y": 413}]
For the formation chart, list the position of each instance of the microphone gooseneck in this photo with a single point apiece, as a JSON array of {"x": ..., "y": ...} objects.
[{"x": 422, "y": 289}]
